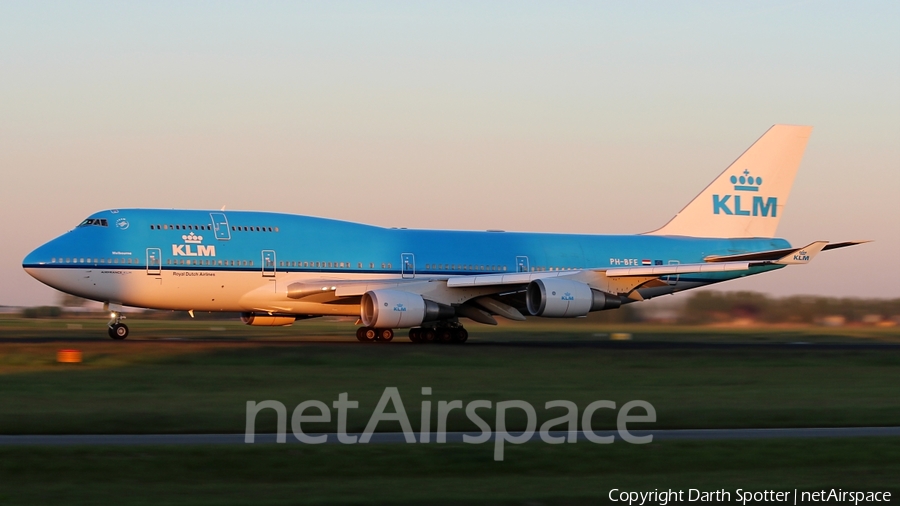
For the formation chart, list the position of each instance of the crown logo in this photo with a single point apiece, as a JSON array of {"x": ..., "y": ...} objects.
[
  {"x": 746, "y": 183},
  {"x": 192, "y": 239}
]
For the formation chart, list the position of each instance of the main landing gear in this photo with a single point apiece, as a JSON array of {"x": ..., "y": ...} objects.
[
  {"x": 440, "y": 334},
  {"x": 457, "y": 335},
  {"x": 116, "y": 329},
  {"x": 365, "y": 334}
]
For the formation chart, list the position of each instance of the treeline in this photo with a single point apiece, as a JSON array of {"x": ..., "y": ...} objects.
[
  {"x": 715, "y": 307},
  {"x": 42, "y": 312}
]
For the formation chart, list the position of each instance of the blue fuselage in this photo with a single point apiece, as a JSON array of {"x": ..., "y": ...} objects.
[{"x": 242, "y": 241}]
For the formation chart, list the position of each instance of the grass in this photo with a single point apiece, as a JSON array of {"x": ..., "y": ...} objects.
[
  {"x": 581, "y": 473},
  {"x": 172, "y": 387},
  {"x": 196, "y": 376}
]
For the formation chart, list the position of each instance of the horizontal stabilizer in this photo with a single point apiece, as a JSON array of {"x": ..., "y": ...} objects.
[
  {"x": 803, "y": 255},
  {"x": 836, "y": 245},
  {"x": 775, "y": 254}
]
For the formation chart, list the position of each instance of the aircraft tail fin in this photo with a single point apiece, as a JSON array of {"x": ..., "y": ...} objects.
[{"x": 748, "y": 199}]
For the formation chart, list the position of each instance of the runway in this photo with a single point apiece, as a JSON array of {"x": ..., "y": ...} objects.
[
  {"x": 451, "y": 437},
  {"x": 487, "y": 343}
]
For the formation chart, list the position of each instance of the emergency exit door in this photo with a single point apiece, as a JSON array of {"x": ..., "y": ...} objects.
[{"x": 268, "y": 263}]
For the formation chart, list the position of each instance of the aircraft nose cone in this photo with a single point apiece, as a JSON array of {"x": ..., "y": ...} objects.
[
  {"x": 36, "y": 258},
  {"x": 34, "y": 262}
]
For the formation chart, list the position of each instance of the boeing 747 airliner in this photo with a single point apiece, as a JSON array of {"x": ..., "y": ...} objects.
[{"x": 277, "y": 268}]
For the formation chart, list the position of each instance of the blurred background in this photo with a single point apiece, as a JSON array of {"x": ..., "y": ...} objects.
[{"x": 586, "y": 117}]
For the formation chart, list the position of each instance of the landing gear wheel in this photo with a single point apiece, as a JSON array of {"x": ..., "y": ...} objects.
[
  {"x": 369, "y": 334},
  {"x": 428, "y": 335},
  {"x": 445, "y": 335},
  {"x": 118, "y": 331},
  {"x": 385, "y": 335},
  {"x": 360, "y": 334},
  {"x": 460, "y": 335},
  {"x": 415, "y": 335}
]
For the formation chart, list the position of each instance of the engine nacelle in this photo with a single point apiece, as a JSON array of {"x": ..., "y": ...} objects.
[
  {"x": 564, "y": 298},
  {"x": 264, "y": 320},
  {"x": 391, "y": 309}
]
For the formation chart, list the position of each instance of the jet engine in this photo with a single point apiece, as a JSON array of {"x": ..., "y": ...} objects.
[
  {"x": 264, "y": 320},
  {"x": 564, "y": 298},
  {"x": 391, "y": 309}
]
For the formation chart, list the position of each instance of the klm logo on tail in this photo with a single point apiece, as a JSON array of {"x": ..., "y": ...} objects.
[{"x": 731, "y": 204}]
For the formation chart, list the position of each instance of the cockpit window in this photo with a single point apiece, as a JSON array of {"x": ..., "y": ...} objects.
[{"x": 94, "y": 222}]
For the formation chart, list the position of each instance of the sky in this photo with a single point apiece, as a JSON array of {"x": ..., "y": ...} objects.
[{"x": 583, "y": 117}]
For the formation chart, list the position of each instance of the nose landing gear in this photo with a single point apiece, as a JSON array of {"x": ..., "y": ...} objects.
[{"x": 116, "y": 329}]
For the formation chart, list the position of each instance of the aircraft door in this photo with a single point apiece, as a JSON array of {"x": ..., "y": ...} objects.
[
  {"x": 268, "y": 263},
  {"x": 408, "y": 265},
  {"x": 220, "y": 226},
  {"x": 521, "y": 264},
  {"x": 154, "y": 261}
]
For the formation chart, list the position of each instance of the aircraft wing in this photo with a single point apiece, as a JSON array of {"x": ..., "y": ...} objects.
[
  {"x": 516, "y": 278},
  {"x": 523, "y": 278},
  {"x": 712, "y": 264},
  {"x": 496, "y": 292}
]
